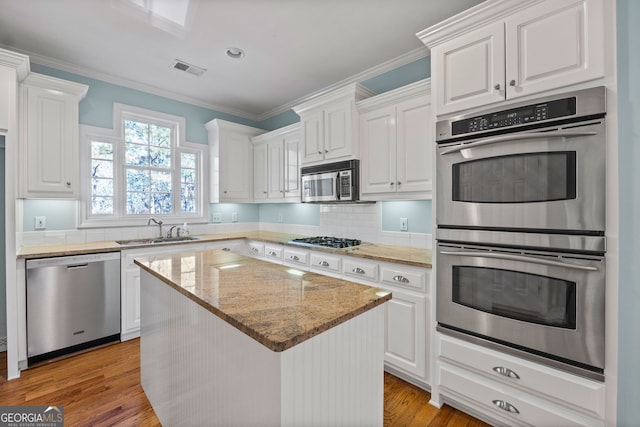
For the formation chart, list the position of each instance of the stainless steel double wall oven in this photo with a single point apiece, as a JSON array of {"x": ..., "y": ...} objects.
[{"x": 520, "y": 228}]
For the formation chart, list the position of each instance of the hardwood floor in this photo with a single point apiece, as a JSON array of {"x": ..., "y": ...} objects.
[{"x": 102, "y": 388}]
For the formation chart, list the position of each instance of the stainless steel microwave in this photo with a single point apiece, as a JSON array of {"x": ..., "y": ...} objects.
[{"x": 331, "y": 183}]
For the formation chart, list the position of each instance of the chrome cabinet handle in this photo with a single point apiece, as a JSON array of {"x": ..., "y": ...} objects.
[
  {"x": 264, "y": 192},
  {"x": 400, "y": 279},
  {"x": 512, "y": 83},
  {"x": 326, "y": 151},
  {"x": 505, "y": 406},
  {"x": 506, "y": 372},
  {"x": 68, "y": 184},
  {"x": 392, "y": 183},
  {"x": 226, "y": 249},
  {"x": 358, "y": 270},
  {"x": 399, "y": 183},
  {"x": 294, "y": 257},
  {"x": 319, "y": 152},
  {"x": 520, "y": 258},
  {"x": 324, "y": 263},
  {"x": 255, "y": 250},
  {"x": 273, "y": 253},
  {"x": 497, "y": 87},
  {"x": 517, "y": 137}
]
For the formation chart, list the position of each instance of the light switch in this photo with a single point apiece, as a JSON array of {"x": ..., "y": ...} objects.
[
  {"x": 41, "y": 222},
  {"x": 234, "y": 216},
  {"x": 404, "y": 224}
]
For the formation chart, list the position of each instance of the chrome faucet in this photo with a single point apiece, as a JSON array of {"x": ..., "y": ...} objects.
[
  {"x": 158, "y": 222},
  {"x": 171, "y": 231}
]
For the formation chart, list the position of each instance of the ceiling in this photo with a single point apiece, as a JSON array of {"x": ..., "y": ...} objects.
[{"x": 293, "y": 48}]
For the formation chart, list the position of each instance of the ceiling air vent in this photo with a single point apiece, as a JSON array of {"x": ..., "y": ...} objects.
[{"x": 188, "y": 68}]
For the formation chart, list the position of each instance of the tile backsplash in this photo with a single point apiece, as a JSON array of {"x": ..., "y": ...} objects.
[{"x": 362, "y": 221}]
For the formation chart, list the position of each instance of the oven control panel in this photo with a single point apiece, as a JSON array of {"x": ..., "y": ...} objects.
[{"x": 516, "y": 116}]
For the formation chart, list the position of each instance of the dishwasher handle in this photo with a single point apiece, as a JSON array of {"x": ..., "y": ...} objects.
[{"x": 77, "y": 266}]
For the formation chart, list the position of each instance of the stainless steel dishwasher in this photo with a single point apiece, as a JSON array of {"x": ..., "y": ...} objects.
[{"x": 73, "y": 303}]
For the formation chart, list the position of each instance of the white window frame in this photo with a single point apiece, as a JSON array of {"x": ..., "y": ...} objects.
[{"x": 116, "y": 136}]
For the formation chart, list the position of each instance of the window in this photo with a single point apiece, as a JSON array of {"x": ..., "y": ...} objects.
[{"x": 142, "y": 170}]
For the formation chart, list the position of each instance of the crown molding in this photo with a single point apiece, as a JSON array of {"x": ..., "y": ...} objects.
[
  {"x": 407, "y": 58},
  {"x": 48, "y": 82},
  {"x": 404, "y": 59},
  {"x": 17, "y": 61},
  {"x": 217, "y": 125},
  {"x": 419, "y": 88},
  {"x": 295, "y": 127},
  {"x": 486, "y": 12}
]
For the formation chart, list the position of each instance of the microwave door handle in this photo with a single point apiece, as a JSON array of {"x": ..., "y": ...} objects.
[
  {"x": 337, "y": 185},
  {"x": 519, "y": 136},
  {"x": 520, "y": 258}
]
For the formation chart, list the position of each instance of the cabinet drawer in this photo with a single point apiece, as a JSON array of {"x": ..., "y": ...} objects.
[
  {"x": 325, "y": 262},
  {"x": 582, "y": 393},
  {"x": 502, "y": 401},
  {"x": 362, "y": 270},
  {"x": 256, "y": 248},
  {"x": 296, "y": 257},
  {"x": 406, "y": 278},
  {"x": 273, "y": 252}
]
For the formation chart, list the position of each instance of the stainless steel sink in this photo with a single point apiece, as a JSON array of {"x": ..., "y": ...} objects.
[{"x": 154, "y": 240}]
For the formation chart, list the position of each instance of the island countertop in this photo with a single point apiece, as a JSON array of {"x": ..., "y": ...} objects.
[{"x": 278, "y": 306}]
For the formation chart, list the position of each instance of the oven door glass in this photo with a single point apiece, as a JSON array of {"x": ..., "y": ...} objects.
[
  {"x": 547, "y": 180},
  {"x": 545, "y": 302},
  {"x": 518, "y": 178},
  {"x": 522, "y": 296}
]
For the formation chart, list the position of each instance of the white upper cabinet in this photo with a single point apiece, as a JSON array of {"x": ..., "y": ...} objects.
[
  {"x": 276, "y": 163},
  {"x": 534, "y": 47},
  {"x": 13, "y": 68},
  {"x": 329, "y": 125},
  {"x": 231, "y": 161},
  {"x": 396, "y": 138},
  {"x": 49, "y": 135}
]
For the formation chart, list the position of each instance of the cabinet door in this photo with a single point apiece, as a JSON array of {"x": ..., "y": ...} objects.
[
  {"x": 131, "y": 304},
  {"x": 378, "y": 136},
  {"x": 554, "y": 44},
  {"x": 468, "y": 71},
  {"x": 415, "y": 145},
  {"x": 7, "y": 90},
  {"x": 236, "y": 174},
  {"x": 406, "y": 333},
  {"x": 260, "y": 174},
  {"x": 337, "y": 130},
  {"x": 276, "y": 169},
  {"x": 292, "y": 166},
  {"x": 50, "y": 148},
  {"x": 312, "y": 136}
]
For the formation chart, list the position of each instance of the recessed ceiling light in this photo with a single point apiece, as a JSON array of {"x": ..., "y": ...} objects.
[{"x": 235, "y": 52}]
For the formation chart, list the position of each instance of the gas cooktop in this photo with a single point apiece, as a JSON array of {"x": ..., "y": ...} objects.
[{"x": 326, "y": 242}]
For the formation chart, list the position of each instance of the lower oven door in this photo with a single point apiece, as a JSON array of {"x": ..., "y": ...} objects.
[{"x": 546, "y": 303}]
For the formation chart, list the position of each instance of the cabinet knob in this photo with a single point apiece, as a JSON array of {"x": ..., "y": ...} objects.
[
  {"x": 497, "y": 87},
  {"x": 505, "y": 406},
  {"x": 512, "y": 83},
  {"x": 392, "y": 183},
  {"x": 225, "y": 191},
  {"x": 319, "y": 152},
  {"x": 264, "y": 192},
  {"x": 399, "y": 183},
  {"x": 68, "y": 184},
  {"x": 326, "y": 151}
]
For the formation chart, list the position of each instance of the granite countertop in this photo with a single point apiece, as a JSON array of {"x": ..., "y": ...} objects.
[
  {"x": 380, "y": 252},
  {"x": 276, "y": 305}
]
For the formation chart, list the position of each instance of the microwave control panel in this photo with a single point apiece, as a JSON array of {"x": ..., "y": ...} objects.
[{"x": 344, "y": 178}]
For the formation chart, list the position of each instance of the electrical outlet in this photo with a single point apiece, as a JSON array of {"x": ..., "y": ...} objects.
[
  {"x": 216, "y": 217},
  {"x": 41, "y": 222},
  {"x": 280, "y": 218},
  {"x": 234, "y": 216},
  {"x": 404, "y": 224}
]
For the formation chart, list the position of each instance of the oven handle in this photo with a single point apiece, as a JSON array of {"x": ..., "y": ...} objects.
[
  {"x": 513, "y": 137},
  {"x": 520, "y": 258}
]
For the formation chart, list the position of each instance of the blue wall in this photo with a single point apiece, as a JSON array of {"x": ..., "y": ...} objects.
[
  {"x": 628, "y": 16},
  {"x": 418, "y": 214}
]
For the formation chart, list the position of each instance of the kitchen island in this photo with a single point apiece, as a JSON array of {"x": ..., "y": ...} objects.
[{"x": 232, "y": 340}]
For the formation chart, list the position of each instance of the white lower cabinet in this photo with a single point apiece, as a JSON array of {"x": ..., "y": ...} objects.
[
  {"x": 514, "y": 391},
  {"x": 296, "y": 257},
  {"x": 326, "y": 264},
  {"x": 130, "y": 279},
  {"x": 235, "y": 246}
]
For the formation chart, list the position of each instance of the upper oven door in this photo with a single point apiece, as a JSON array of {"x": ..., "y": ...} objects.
[
  {"x": 550, "y": 179},
  {"x": 320, "y": 187},
  {"x": 546, "y": 302}
]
